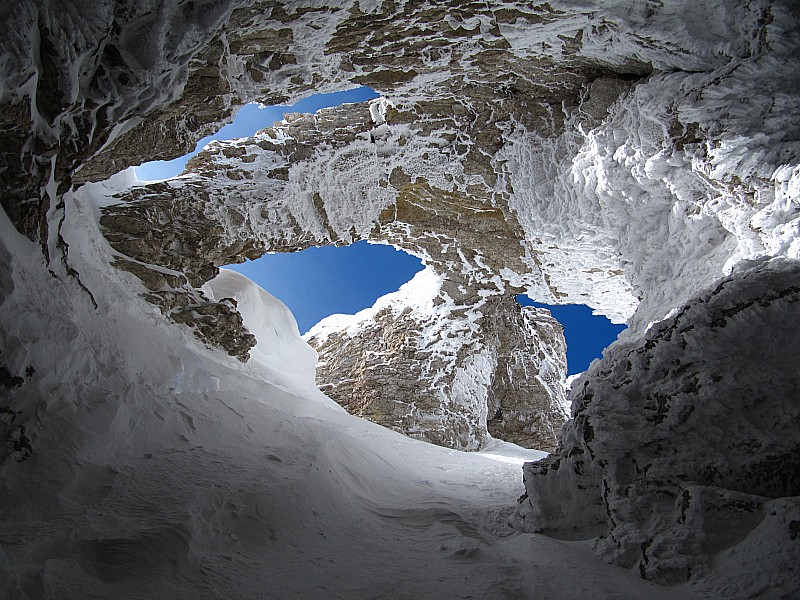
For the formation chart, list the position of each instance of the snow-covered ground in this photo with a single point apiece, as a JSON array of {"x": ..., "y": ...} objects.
[{"x": 163, "y": 469}]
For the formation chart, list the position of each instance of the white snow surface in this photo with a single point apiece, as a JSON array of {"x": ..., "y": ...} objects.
[
  {"x": 165, "y": 469},
  {"x": 279, "y": 352}
]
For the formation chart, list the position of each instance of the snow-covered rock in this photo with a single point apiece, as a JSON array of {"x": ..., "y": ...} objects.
[
  {"x": 638, "y": 157},
  {"x": 424, "y": 365},
  {"x": 680, "y": 447},
  {"x": 479, "y": 361}
]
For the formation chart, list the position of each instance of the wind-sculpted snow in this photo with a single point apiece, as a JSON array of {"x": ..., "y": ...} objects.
[
  {"x": 638, "y": 157},
  {"x": 279, "y": 348}
]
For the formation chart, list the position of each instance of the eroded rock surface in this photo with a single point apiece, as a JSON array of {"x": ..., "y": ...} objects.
[
  {"x": 449, "y": 373},
  {"x": 682, "y": 450},
  {"x": 344, "y": 170},
  {"x": 626, "y": 156}
]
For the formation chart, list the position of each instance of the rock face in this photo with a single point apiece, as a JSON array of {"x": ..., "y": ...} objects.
[
  {"x": 639, "y": 158},
  {"x": 169, "y": 244},
  {"x": 419, "y": 363},
  {"x": 682, "y": 454}
]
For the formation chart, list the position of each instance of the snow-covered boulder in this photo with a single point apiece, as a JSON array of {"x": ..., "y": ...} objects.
[{"x": 683, "y": 452}]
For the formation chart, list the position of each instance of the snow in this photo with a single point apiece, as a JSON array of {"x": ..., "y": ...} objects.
[
  {"x": 180, "y": 472},
  {"x": 162, "y": 468},
  {"x": 279, "y": 351}
]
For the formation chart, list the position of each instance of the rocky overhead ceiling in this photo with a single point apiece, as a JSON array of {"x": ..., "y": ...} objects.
[
  {"x": 639, "y": 158},
  {"x": 334, "y": 178}
]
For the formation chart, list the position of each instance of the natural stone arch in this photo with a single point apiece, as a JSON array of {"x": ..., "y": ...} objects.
[{"x": 303, "y": 183}]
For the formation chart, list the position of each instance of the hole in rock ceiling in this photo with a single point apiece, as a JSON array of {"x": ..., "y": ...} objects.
[
  {"x": 248, "y": 120},
  {"x": 318, "y": 282},
  {"x": 587, "y": 335},
  {"x": 326, "y": 280}
]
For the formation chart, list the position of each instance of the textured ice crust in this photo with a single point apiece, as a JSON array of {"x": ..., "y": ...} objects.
[
  {"x": 645, "y": 216},
  {"x": 691, "y": 430},
  {"x": 682, "y": 434}
]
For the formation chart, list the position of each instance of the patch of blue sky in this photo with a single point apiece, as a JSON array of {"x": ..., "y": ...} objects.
[
  {"x": 587, "y": 335},
  {"x": 326, "y": 280}
]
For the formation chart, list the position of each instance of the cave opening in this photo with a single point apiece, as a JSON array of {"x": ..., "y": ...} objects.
[
  {"x": 587, "y": 334},
  {"x": 141, "y": 458},
  {"x": 344, "y": 280},
  {"x": 324, "y": 280}
]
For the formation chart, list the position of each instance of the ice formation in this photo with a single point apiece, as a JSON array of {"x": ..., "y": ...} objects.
[{"x": 162, "y": 432}]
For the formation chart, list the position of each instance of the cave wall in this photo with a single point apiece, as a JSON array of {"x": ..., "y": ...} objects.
[
  {"x": 682, "y": 451},
  {"x": 572, "y": 172},
  {"x": 627, "y": 156}
]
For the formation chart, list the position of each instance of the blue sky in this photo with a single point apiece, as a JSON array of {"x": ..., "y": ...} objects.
[
  {"x": 586, "y": 334},
  {"x": 323, "y": 281},
  {"x": 318, "y": 282}
]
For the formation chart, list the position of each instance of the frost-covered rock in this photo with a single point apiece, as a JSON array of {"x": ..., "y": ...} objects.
[
  {"x": 450, "y": 374},
  {"x": 627, "y": 155},
  {"x": 680, "y": 445},
  {"x": 316, "y": 179}
]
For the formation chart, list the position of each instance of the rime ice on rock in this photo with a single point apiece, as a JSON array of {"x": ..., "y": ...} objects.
[
  {"x": 638, "y": 157},
  {"x": 682, "y": 453},
  {"x": 422, "y": 364}
]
